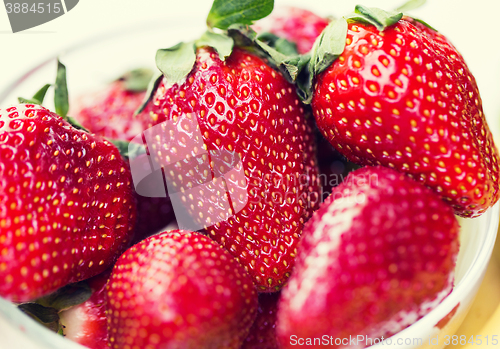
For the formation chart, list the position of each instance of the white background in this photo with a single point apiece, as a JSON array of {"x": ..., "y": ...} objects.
[{"x": 470, "y": 25}]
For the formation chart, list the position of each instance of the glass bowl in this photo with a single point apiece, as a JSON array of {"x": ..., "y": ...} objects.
[{"x": 97, "y": 61}]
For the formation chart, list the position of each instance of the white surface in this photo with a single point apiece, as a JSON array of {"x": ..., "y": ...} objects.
[{"x": 470, "y": 25}]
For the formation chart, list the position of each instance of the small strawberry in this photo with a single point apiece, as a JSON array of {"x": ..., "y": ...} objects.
[
  {"x": 400, "y": 95},
  {"x": 378, "y": 255},
  {"x": 110, "y": 113},
  {"x": 233, "y": 106},
  {"x": 263, "y": 331},
  {"x": 86, "y": 323},
  {"x": 297, "y": 25},
  {"x": 179, "y": 290},
  {"x": 67, "y": 209}
]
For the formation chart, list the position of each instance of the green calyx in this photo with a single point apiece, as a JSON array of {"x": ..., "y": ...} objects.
[
  {"x": 177, "y": 61},
  {"x": 128, "y": 150},
  {"x": 46, "y": 310},
  {"x": 137, "y": 80},
  {"x": 61, "y": 97},
  {"x": 225, "y": 13},
  {"x": 375, "y": 16},
  {"x": 228, "y": 26}
]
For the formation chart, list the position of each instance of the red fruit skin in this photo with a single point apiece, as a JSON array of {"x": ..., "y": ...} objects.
[
  {"x": 263, "y": 331},
  {"x": 66, "y": 205},
  {"x": 179, "y": 290},
  {"x": 378, "y": 254},
  {"x": 86, "y": 323},
  {"x": 243, "y": 106},
  {"x": 110, "y": 113},
  {"x": 297, "y": 25},
  {"x": 405, "y": 99}
]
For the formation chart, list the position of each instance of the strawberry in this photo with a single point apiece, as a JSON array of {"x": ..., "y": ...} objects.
[
  {"x": 263, "y": 331},
  {"x": 179, "y": 290},
  {"x": 403, "y": 97},
  {"x": 86, "y": 323},
  {"x": 66, "y": 203},
  {"x": 243, "y": 110},
  {"x": 297, "y": 25},
  {"x": 378, "y": 254},
  {"x": 110, "y": 113}
]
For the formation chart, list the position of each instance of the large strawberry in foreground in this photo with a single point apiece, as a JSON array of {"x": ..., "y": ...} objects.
[
  {"x": 234, "y": 107},
  {"x": 66, "y": 204},
  {"x": 400, "y": 95},
  {"x": 379, "y": 254},
  {"x": 179, "y": 290}
]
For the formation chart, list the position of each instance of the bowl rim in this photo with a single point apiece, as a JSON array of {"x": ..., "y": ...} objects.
[{"x": 466, "y": 287}]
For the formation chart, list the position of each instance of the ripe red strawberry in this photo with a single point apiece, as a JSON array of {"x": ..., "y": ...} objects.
[
  {"x": 66, "y": 203},
  {"x": 263, "y": 331},
  {"x": 110, "y": 113},
  {"x": 378, "y": 255},
  {"x": 404, "y": 98},
  {"x": 297, "y": 25},
  {"x": 242, "y": 105},
  {"x": 86, "y": 323},
  {"x": 179, "y": 290}
]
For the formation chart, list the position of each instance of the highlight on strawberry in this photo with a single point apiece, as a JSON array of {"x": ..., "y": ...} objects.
[{"x": 378, "y": 255}]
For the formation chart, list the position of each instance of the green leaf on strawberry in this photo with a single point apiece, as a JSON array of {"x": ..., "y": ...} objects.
[
  {"x": 177, "y": 61},
  {"x": 375, "y": 16},
  {"x": 223, "y": 44},
  {"x": 153, "y": 83},
  {"x": 67, "y": 296},
  {"x": 37, "y": 97},
  {"x": 46, "y": 316},
  {"x": 129, "y": 150},
  {"x": 224, "y": 13},
  {"x": 61, "y": 99},
  {"x": 329, "y": 46},
  {"x": 279, "y": 44},
  {"x": 326, "y": 49},
  {"x": 137, "y": 80}
]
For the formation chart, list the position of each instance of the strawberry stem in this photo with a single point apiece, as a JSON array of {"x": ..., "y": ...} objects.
[
  {"x": 61, "y": 99},
  {"x": 37, "y": 97}
]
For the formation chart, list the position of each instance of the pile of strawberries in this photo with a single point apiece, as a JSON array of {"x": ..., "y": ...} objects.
[{"x": 281, "y": 268}]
